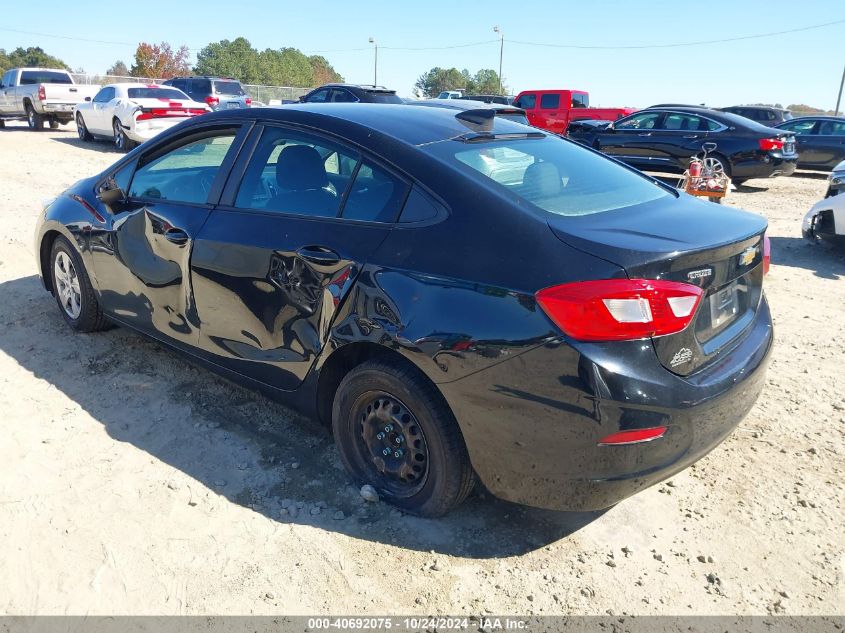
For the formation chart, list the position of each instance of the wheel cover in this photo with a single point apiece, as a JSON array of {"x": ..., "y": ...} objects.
[
  {"x": 390, "y": 443},
  {"x": 714, "y": 165},
  {"x": 67, "y": 285},
  {"x": 119, "y": 137}
]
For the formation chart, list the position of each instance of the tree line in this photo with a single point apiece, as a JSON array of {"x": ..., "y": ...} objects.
[{"x": 436, "y": 80}]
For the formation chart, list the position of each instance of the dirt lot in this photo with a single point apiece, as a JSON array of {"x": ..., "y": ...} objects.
[{"x": 134, "y": 482}]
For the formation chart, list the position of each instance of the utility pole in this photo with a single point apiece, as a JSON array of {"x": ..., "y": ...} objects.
[
  {"x": 375, "y": 63},
  {"x": 839, "y": 98},
  {"x": 501, "y": 51}
]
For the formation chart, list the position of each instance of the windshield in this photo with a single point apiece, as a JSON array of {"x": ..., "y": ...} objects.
[
  {"x": 558, "y": 176},
  {"x": 156, "y": 93},
  {"x": 228, "y": 88},
  {"x": 29, "y": 77}
]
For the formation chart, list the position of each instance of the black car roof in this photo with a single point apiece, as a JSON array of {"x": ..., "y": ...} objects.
[
  {"x": 365, "y": 87},
  {"x": 411, "y": 125},
  {"x": 725, "y": 118},
  {"x": 819, "y": 117},
  {"x": 464, "y": 104}
]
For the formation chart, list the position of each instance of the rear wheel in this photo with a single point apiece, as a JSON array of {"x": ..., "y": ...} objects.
[
  {"x": 394, "y": 431},
  {"x": 82, "y": 129},
  {"x": 34, "y": 120},
  {"x": 122, "y": 142},
  {"x": 73, "y": 290},
  {"x": 717, "y": 163}
]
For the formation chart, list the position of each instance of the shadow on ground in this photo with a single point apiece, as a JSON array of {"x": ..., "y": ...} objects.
[
  {"x": 100, "y": 146},
  {"x": 238, "y": 444},
  {"x": 823, "y": 259}
]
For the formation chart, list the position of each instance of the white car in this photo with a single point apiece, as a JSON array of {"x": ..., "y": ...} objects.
[
  {"x": 826, "y": 219},
  {"x": 131, "y": 113}
]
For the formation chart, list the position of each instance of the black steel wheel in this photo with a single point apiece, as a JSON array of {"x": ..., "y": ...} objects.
[{"x": 394, "y": 431}]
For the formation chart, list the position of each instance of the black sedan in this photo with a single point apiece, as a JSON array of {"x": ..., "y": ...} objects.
[
  {"x": 663, "y": 139},
  {"x": 820, "y": 139},
  {"x": 458, "y": 296},
  {"x": 351, "y": 93}
]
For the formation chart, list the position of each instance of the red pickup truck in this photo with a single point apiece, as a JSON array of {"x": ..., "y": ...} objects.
[{"x": 554, "y": 110}]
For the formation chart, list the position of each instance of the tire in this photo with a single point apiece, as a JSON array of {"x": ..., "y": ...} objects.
[
  {"x": 738, "y": 182},
  {"x": 34, "y": 120},
  {"x": 381, "y": 407},
  {"x": 726, "y": 164},
  {"x": 122, "y": 142},
  {"x": 54, "y": 124},
  {"x": 73, "y": 290},
  {"x": 82, "y": 129},
  {"x": 2, "y": 124}
]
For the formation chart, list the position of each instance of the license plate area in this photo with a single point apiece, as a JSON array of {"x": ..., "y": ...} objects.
[
  {"x": 233, "y": 105},
  {"x": 724, "y": 305}
]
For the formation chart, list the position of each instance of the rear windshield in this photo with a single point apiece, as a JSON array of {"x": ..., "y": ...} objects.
[
  {"x": 556, "y": 175},
  {"x": 516, "y": 117},
  {"x": 29, "y": 77},
  {"x": 228, "y": 88},
  {"x": 384, "y": 97},
  {"x": 156, "y": 93}
]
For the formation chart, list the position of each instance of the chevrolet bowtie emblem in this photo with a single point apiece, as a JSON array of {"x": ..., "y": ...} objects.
[{"x": 747, "y": 256}]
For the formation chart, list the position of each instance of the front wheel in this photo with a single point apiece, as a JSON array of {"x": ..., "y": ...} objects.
[
  {"x": 82, "y": 129},
  {"x": 73, "y": 290},
  {"x": 394, "y": 430}
]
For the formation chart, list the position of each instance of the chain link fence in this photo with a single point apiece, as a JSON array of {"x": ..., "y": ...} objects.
[{"x": 267, "y": 95}]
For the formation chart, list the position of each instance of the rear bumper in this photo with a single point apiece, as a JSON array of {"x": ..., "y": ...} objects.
[
  {"x": 145, "y": 130},
  {"x": 532, "y": 423},
  {"x": 768, "y": 165}
]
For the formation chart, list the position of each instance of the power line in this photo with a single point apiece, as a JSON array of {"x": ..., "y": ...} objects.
[
  {"x": 679, "y": 44},
  {"x": 471, "y": 44}
]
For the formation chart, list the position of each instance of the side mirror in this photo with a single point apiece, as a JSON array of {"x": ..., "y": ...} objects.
[
  {"x": 88, "y": 98},
  {"x": 111, "y": 194}
]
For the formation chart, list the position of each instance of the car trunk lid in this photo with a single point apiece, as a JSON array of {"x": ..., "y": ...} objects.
[{"x": 715, "y": 248}]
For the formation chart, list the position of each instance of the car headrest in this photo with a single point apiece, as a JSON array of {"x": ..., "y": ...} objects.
[
  {"x": 300, "y": 168},
  {"x": 541, "y": 180}
]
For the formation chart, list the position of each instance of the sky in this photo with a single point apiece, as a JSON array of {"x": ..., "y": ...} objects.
[{"x": 800, "y": 67}]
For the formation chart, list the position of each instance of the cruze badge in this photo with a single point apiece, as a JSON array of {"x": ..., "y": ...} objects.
[
  {"x": 747, "y": 256},
  {"x": 700, "y": 274}
]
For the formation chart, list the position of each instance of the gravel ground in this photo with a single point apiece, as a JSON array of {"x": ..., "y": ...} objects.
[{"x": 134, "y": 482}]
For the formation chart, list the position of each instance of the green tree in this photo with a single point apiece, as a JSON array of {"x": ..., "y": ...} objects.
[
  {"x": 160, "y": 61},
  {"x": 439, "y": 79},
  {"x": 230, "y": 58},
  {"x": 486, "y": 82},
  {"x": 32, "y": 56},
  {"x": 119, "y": 69},
  {"x": 285, "y": 67}
]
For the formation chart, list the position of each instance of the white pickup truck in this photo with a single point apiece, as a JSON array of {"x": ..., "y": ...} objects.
[{"x": 39, "y": 95}]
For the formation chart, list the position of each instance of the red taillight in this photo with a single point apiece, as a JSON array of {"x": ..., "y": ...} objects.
[
  {"x": 212, "y": 101},
  {"x": 248, "y": 101},
  {"x": 767, "y": 144},
  {"x": 767, "y": 254},
  {"x": 634, "y": 436},
  {"x": 620, "y": 309},
  {"x": 42, "y": 93},
  {"x": 157, "y": 113}
]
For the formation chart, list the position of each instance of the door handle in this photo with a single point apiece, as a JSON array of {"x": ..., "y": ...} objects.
[
  {"x": 645, "y": 134},
  {"x": 176, "y": 236},
  {"x": 690, "y": 135},
  {"x": 319, "y": 255}
]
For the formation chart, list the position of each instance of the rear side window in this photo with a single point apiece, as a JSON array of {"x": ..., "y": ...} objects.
[
  {"x": 29, "y": 77},
  {"x": 375, "y": 196},
  {"x": 526, "y": 102},
  {"x": 832, "y": 128},
  {"x": 550, "y": 102},
  {"x": 558, "y": 176},
  {"x": 580, "y": 100},
  {"x": 800, "y": 127},
  {"x": 184, "y": 174},
  {"x": 200, "y": 85},
  {"x": 418, "y": 208},
  {"x": 384, "y": 97}
]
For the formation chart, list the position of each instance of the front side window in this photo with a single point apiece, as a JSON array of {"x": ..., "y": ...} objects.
[
  {"x": 526, "y": 102},
  {"x": 186, "y": 173},
  {"x": 318, "y": 97},
  {"x": 558, "y": 176},
  {"x": 644, "y": 121},
  {"x": 342, "y": 96},
  {"x": 104, "y": 96},
  {"x": 832, "y": 128},
  {"x": 550, "y": 102}
]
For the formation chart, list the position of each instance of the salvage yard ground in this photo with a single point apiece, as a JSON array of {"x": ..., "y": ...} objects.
[{"x": 135, "y": 483}]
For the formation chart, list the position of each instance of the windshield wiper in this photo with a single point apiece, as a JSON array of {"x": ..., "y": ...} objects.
[{"x": 483, "y": 137}]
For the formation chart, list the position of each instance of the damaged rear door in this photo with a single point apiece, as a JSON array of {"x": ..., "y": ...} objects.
[{"x": 143, "y": 267}]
